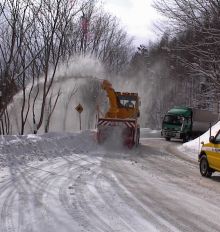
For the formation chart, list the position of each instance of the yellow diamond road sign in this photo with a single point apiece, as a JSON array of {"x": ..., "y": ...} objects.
[{"x": 79, "y": 108}]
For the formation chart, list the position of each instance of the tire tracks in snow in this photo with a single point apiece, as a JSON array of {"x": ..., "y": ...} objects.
[{"x": 28, "y": 188}]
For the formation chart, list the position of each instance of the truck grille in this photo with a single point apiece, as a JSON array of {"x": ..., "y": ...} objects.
[{"x": 171, "y": 133}]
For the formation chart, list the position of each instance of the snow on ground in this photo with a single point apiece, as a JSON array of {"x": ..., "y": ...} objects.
[
  {"x": 26, "y": 148},
  {"x": 66, "y": 182},
  {"x": 60, "y": 181},
  {"x": 21, "y": 149},
  {"x": 193, "y": 148},
  {"x": 147, "y": 132}
]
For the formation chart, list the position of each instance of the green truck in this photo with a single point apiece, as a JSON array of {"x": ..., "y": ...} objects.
[{"x": 186, "y": 123}]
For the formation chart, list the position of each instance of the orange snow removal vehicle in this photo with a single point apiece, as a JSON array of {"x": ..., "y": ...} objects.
[{"x": 121, "y": 119}]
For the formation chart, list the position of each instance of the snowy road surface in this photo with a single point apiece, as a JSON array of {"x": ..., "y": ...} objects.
[{"x": 65, "y": 183}]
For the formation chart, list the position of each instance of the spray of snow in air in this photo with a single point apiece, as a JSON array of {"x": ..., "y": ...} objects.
[{"x": 79, "y": 82}]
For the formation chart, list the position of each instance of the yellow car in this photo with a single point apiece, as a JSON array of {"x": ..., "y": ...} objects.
[{"x": 209, "y": 157}]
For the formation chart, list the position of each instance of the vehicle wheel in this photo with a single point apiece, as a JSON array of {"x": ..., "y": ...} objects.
[
  {"x": 167, "y": 138},
  {"x": 204, "y": 167},
  {"x": 138, "y": 138},
  {"x": 186, "y": 138}
]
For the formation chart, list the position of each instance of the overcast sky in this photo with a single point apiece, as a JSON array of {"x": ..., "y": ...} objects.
[{"x": 137, "y": 16}]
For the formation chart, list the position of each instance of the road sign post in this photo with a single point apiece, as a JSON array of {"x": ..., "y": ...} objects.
[{"x": 79, "y": 108}]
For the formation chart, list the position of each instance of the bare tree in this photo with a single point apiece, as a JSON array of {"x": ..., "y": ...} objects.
[
  {"x": 66, "y": 106},
  {"x": 36, "y": 36},
  {"x": 197, "y": 25},
  {"x": 50, "y": 109}
]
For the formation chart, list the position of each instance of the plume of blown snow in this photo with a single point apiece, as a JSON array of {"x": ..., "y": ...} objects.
[{"x": 78, "y": 82}]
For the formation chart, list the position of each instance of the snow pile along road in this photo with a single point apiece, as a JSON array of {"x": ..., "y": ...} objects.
[
  {"x": 192, "y": 148},
  {"x": 16, "y": 149}
]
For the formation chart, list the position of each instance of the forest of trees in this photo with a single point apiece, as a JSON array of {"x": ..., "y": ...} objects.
[
  {"x": 36, "y": 36},
  {"x": 185, "y": 62}
]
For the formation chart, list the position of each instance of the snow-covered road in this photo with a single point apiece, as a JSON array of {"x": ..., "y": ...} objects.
[{"x": 66, "y": 183}]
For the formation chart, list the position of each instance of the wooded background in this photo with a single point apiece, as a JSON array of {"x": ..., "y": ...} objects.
[{"x": 181, "y": 68}]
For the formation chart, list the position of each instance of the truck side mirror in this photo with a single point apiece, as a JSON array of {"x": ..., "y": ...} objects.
[{"x": 212, "y": 139}]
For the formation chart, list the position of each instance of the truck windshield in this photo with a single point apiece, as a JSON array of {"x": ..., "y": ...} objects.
[
  {"x": 127, "y": 101},
  {"x": 173, "y": 119}
]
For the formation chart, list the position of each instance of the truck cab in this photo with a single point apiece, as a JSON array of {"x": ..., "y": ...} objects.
[
  {"x": 177, "y": 123},
  {"x": 120, "y": 121},
  {"x": 209, "y": 157}
]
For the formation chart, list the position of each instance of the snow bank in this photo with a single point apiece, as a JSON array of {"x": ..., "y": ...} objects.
[
  {"x": 22, "y": 149},
  {"x": 192, "y": 148}
]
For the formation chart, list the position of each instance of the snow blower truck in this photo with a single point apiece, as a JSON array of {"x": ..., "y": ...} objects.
[{"x": 121, "y": 118}]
